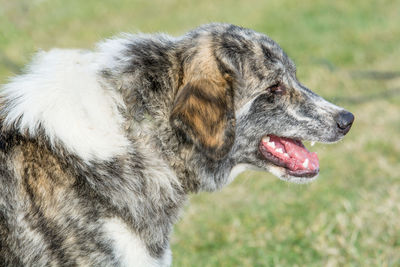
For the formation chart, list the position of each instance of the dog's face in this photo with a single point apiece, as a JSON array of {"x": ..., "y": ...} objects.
[{"x": 240, "y": 100}]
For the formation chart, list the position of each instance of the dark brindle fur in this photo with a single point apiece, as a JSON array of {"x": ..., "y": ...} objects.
[{"x": 187, "y": 111}]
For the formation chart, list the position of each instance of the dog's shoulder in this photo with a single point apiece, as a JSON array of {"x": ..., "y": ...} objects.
[{"x": 62, "y": 93}]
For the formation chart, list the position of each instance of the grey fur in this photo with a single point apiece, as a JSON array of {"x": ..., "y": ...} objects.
[{"x": 149, "y": 72}]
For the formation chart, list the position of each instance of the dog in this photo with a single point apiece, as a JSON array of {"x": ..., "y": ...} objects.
[{"x": 99, "y": 149}]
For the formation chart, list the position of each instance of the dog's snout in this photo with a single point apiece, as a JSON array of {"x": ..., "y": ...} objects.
[{"x": 344, "y": 121}]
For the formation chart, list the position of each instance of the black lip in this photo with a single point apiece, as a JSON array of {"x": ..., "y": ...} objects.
[
  {"x": 303, "y": 173},
  {"x": 276, "y": 161}
]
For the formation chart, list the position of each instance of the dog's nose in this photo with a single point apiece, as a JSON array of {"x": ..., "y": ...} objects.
[{"x": 344, "y": 121}]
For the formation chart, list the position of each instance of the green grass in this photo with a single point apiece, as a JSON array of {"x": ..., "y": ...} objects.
[{"x": 350, "y": 216}]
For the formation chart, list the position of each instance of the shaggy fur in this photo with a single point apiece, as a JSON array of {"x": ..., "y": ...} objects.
[{"x": 100, "y": 148}]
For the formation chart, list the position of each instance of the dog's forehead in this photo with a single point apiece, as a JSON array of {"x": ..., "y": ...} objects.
[
  {"x": 270, "y": 51},
  {"x": 280, "y": 58},
  {"x": 246, "y": 42}
]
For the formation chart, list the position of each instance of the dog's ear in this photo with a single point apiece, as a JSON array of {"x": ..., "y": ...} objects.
[{"x": 204, "y": 112}]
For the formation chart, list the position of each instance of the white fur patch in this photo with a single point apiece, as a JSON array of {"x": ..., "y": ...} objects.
[
  {"x": 63, "y": 94},
  {"x": 129, "y": 249},
  {"x": 109, "y": 48},
  {"x": 238, "y": 169}
]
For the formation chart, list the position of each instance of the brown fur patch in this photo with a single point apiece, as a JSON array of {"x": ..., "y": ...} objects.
[
  {"x": 204, "y": 107},
  {"x": 44, "y": 180}
]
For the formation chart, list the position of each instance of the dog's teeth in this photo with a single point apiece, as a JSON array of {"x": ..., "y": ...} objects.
[
  {"x": 286, "y": 155},
  {"x": 265, "y": 139},
  {"x": 305, "y": 163},
  {"x": 279, "y": 150},
  {"x": 271, "y": 144},
  {"x": 312, "y": 143}
]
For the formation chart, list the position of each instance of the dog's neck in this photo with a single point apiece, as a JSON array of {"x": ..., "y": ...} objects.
[{"x": 148, "y": 91}]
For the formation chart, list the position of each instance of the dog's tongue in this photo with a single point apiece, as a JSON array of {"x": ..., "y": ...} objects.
[{"x": 291, "y": 152}]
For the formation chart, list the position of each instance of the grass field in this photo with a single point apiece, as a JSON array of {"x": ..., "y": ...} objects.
[{"x": 347, "y": 51}]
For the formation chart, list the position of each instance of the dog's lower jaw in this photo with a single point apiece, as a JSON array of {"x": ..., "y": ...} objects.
[
  {"x": 282, "y": 174},
  {"x": 277, "y": 171}
]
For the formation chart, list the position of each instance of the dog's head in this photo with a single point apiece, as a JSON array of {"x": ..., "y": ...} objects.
[{"x": 240, "y": 101}]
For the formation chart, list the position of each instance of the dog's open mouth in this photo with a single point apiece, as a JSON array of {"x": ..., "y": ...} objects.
[{"x": 290, "y": 154}]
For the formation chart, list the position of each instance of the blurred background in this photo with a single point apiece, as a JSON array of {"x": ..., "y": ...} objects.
[{"x": 346, "y": 51}]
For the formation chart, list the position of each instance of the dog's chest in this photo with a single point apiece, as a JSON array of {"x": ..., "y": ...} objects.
[{"x": 128, "y": 248}]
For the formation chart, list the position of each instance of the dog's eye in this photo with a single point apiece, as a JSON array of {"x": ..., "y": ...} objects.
[{"x": 278, "y": 88}]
